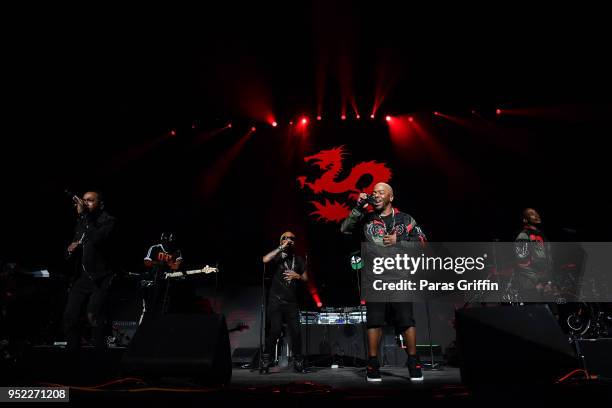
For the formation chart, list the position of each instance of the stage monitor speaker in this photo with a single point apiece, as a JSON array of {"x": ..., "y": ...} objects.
[
  {"x": 181, "y": 345},
  {"x": 512, "y": 345}
]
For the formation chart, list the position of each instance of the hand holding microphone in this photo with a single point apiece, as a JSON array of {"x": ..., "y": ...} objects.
[{"x": 365, "y": 199}]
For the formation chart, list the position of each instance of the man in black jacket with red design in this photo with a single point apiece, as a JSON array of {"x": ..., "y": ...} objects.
[
  {"x": 93, "y": 234},
  {"x": 384, "y": 225}
]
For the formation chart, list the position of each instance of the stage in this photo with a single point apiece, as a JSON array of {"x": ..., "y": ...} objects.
[{"x": 99, "y": 379}]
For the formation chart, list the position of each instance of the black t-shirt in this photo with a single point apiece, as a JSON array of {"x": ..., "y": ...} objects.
[
  {"x": 280, "y": 289},
  {"x": 162, "y": 258}
]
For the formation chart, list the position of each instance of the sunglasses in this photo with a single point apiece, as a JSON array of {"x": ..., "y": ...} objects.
[{"x": 288, "y": 238}]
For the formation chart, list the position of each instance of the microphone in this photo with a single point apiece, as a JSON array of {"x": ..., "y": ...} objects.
[
  {"x": 71, "y": 194},
  {"x": 368, "y": 200}
]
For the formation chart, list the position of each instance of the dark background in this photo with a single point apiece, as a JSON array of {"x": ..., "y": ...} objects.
[{"x": 90, "y": 96}]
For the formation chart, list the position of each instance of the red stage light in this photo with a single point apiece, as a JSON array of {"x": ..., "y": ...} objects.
[
  {"x": 229, "y": 125},
  {"x": 388, "y": 118},
  {"x": 304, "y": 121},
  {"x": 358, "y": 117},
  {"x": 363, "y": 302},
  {"x": 253, "y": 129},
  {"x": 274, "y": 124},
  {"x": 498, "y": 111},
  {"x": 343, "y": 117},
  {"x": 436, "y": 113},
  {"x": 291, "y": 122},
  {"x": 372, "y": 116},
  {"x": 319, "y": 304},
  {"x": 173, "y": 132},
  {"x": 319, "y": 117},
  {"x": 410, "y": 119}
]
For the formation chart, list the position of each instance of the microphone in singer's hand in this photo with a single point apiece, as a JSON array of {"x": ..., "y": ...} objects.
[{"x": 71, "y": 194}]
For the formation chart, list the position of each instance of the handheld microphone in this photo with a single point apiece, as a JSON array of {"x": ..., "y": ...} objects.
[{"x": 71, "y": 194}]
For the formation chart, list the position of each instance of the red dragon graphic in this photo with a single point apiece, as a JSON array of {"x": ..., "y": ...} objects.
[{"x": 330, "y": 161}]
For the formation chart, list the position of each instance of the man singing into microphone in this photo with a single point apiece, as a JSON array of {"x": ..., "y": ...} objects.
[
  {"x": 386, "y": 226},
  {"x": 93, "y": 234},
  {"x": 288, "y": 269}
]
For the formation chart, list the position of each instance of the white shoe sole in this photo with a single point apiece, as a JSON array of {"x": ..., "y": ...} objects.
[{"x": 374, "y": 379}]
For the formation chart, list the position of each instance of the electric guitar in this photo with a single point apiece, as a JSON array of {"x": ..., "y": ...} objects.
[{"x": 180, "y": 274}]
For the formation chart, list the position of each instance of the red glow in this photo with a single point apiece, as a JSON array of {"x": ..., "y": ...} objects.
[
  {"x": 410, "y": 119},
  {"x": 229, "y": 125},
  {"x": 274, "y": 124},
  {"x": 498, "y": 111},
  {"x": 173, "y": 133},
  {"x": 304, "y": 120},
  {"x": 319, "y": 304},
  {"x": 343, "y": 117},
  {"x": 253, "y": 129},
  {"x": 358, "y": 117},
  {"x": 318, "y": 117},
  {"x": 291, "y": 122},
  {"x": 363, "y": 302},
  {"x": 436, "y": 113},
  {"x": 371, "y": 116},
  {"x": 388, "y": 118}
]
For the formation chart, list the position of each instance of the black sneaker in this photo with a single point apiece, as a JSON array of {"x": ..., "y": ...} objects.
[
  {"x": 414, "y": 368},
  {"x": 373, "y": 370},
  {"x": 298, "y": 364},
  {"x": 265, "y": 364}
]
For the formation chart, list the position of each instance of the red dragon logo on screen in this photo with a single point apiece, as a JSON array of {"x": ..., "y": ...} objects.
[{"x": 330, "y": 162}]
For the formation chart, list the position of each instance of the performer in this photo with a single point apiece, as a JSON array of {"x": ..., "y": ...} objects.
[
  {"x": 161, "y": 258},
  {"x": 288, "y": 269},
  {"x": 385, "y": 226},
  {"x": 92, "y": 239},
  {"x": 534, "y": 261}
]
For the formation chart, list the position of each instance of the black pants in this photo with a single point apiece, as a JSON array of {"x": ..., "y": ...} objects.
[
  {"x": 95, "y": 294},
  {"x": 288, "y": 313}
]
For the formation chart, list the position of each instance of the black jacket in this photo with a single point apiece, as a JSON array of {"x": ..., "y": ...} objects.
[{"x": 95, "y": 231}]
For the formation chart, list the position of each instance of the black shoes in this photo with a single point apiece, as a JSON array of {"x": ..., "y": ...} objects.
[
  {"x": 298, "y": 364},
  {"x": 264, "y": 367},
  {"x": 373, "y": 370},
  {"x": 414, "y": 368}
]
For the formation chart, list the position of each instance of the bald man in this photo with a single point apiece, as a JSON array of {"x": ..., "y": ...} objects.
[
  {"x": 288, "y": 270},
  {"x": 384, "y": 225}
]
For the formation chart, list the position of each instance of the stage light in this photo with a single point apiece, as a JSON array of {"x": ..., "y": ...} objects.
[
  {"x": 363, "y": 302},
  {"x": 410, "y": 119},
  {"x": 498, "y": 111},
  {"x": 388, "y": 118},
  {"x": 372, "y": 116},
  {"x": 343, "y": 117},
  {"x": 436, "y": 113},
  {"x": 319, "y": 117},
  {"x": 291, "y": 122},
  {"x": 173, "y": 133},
  {"x": 229, "y": 125},
  {"x": 274, "y": 124},
  {"x": 304, "y": 121},
  {"x": 319, "y": 304},
  {"x": 358, "y": 117},
  {"x": 253, "y": 128}
]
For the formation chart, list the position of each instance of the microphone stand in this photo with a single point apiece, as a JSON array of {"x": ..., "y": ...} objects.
[
  {"x": 432, "y": 365},
  {"x": 262, "y": 318}
]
